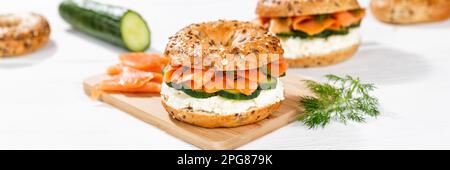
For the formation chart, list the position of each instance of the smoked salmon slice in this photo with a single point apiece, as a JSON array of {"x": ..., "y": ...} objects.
[
  {"x": 196, "y": 78},
  {"x": 118, "y": 69},
  {"x": 311, "y": 26},
  {"x": 114, "y": 69},
  {"x": 347, "y": 18},
  {"x": 212, "y": 87},
  {"x": 145, "y": 62},
  {"x": 129, "y": 80},
  {"x": 139, "y": 61},
  {"x": 278, "y": 68},
  {"x": 170, "y": 70},
  {"x": 157, "y": 78},
  {"x": 253, "y": 75},
  {"x": 113, "y": 86},
  {"x": 137, "y": 73},
  {"x": 245, "y": 86},
  {"x": 344, "y": 18},
  {"x": 217, "y": 83},
  {"x": 298, "y": 20},
  {"x": 278, "y": 25}
]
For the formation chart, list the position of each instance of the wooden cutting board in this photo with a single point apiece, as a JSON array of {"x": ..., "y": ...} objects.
[{"x": 148, "y": 108}]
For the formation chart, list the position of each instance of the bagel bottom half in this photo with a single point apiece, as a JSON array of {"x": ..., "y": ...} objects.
[
  {"x": 211, "y": 120},
  {"x": 323, "y": 60}
]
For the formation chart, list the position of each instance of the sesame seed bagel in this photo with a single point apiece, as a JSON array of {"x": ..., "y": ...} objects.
[
  {"x": 211, "y": 120},
  {"x": 290, "y": 8},
  {"x": 223, "y": 45},
  {"x": 22, "y": 33},
  {"x": 410, "y": 11},
  {"x": 323, "y": 60}
]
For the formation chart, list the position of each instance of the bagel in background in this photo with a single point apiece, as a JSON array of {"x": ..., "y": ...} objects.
[
  {"x": 22, "y": 33},
  {"x": 209, "y": 80},
  {"x": 313, "y": 33},
  {"x": 410, "y": 11}
]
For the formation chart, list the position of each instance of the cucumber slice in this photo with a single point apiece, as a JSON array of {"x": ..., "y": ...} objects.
[
  {"x": 266, "y": 70},
  {"x": 235, "y": 95},
  {"x": 116, "y": 25},
  {"x": 270, "y": 83},
  {"x": 198, "y": 94},
  {"x": 164, "y": 69},
  {"x": 228, "y": 94},
  {"x": 170, "y": 85},
  {"x": 190, "y": 92},
  {"x": 135, "y": 33}
]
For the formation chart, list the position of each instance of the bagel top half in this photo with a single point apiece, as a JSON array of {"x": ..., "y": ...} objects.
[
  {"x": 290, "y": 8},
  {"x": 223, "y": 45}
]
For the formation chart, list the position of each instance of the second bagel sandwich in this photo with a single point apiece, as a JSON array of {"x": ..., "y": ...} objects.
[
  {"x": 223, "y": 74},
  {"x": 313, "y": 32}
]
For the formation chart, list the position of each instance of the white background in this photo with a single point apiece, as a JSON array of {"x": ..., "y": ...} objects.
[{"x": 43, "y": 106}]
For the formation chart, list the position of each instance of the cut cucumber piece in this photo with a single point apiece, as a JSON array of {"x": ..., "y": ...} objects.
[
  {"x": 117, "y": 25},
  {"x": 169, "y": 84},
  {"x": 270, "y": 83},
  {"x": 228, "y": 94},
  {"x": 266, "y": 70},
  {"x": 198, "y": 94},
  {"x": 135, "y": 33},
  {"x": 164, "y": 69},
  {"x": 236, "y": 95},
  {"x": 190, "y": 92}
]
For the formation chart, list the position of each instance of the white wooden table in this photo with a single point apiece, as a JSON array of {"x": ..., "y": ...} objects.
[{"x": 42, "y": 104}]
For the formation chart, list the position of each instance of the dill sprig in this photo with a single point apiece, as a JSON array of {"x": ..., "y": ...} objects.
[{"x": 342, "y": 98}]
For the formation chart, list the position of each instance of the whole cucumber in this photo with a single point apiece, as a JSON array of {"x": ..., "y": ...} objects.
[{"x": 117, "y": 25}]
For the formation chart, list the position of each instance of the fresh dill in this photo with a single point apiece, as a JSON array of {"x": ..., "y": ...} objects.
[{"x": 342, "y": 98}]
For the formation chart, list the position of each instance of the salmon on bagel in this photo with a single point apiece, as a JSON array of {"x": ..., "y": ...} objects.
[
  {"x": 223, "y": 74},
  {"x": 313, "y": 33}
]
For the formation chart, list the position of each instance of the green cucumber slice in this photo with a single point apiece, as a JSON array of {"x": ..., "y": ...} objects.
[
  {"x": 135, "y": 33},
  {"x": 198, "y": 94},
  {"x": 190, "y": 92},
  {"x": 164, "y": 69},
  {"x": 170, "y": 85},
  {"x": 235, "y": 95},
  {"x": 270, "y": 83},
  {"x": 228, "y": 94}
]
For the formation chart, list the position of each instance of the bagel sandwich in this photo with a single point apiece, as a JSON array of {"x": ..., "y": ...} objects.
[
  {"x": 410, "y": 11},
  {"x": 223, "y": 74},
  {"x": 313, "y": 33}
]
